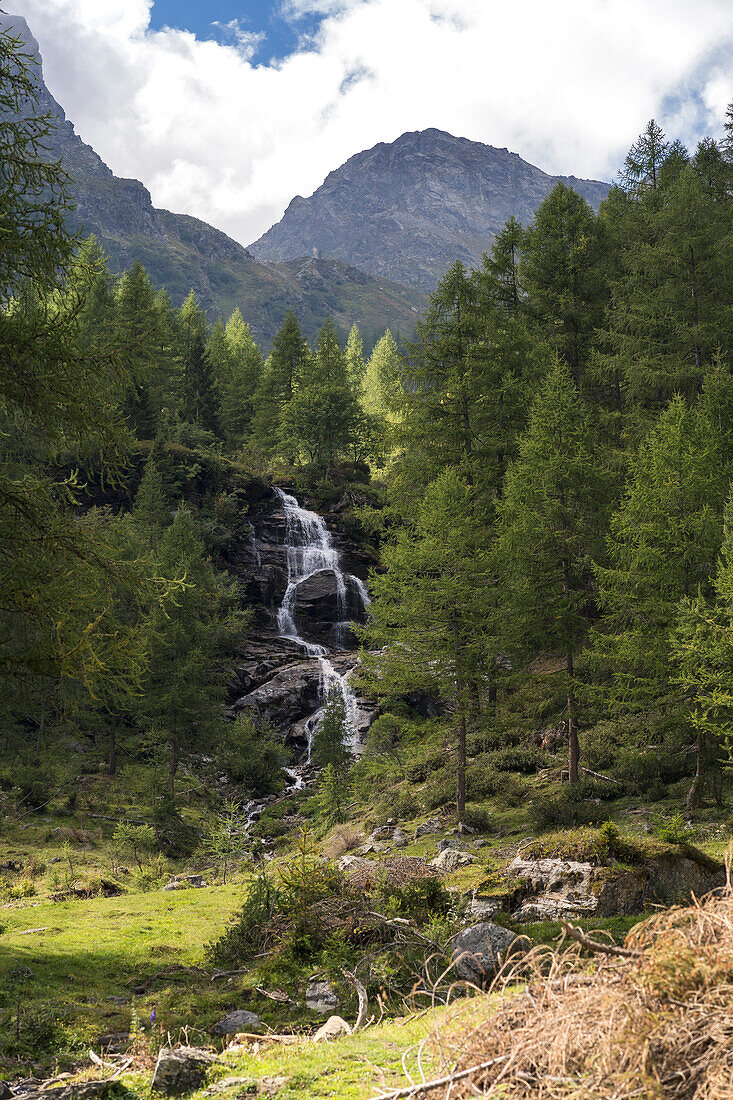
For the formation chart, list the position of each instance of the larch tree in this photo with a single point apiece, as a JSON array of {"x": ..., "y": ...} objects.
[{"x": 550, "y": 524}]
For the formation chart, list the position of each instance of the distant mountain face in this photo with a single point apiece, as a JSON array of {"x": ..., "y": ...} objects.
[
  {"x": 406, "y": 211},
  {"x": 181, "y": 252}
]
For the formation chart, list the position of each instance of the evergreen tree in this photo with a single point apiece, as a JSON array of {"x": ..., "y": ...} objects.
[
  {"x": 237, "y": 364},
  {"x": 185, "y": 686},
  {"x": 431, "y": 621},
  {"x": 702, "y": 649},
  {"x": 503, "y": 266},
  {"x": 138, "y": 338},
  {"x": 549, "y": 525},
  {"x": 663, "y": 541},
  {"x": 644, "y": 160},
  {"x": 329, "y": 742},
  {"x": 322, "y": 418},
  {"x": 354, "y": 356},
  {"x": 278, "y": 385},
  {"x": 562, "y": 272},
  {"x": 200, "y": 394}
]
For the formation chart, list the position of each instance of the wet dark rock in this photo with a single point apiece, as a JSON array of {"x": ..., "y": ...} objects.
[{"x": 292, "y": 694}]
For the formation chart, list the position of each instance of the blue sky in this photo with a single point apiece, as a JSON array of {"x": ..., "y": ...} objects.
[{"x": 207, "y": 19}]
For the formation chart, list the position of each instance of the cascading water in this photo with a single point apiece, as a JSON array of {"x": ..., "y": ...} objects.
[{"x": 309, "y": 549}]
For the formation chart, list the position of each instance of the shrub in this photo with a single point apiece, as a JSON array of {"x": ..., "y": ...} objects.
[
  {"x": 478, "y": 817},
  {"x": 34, "y": 785},
  {"x": 510, "y": 792},
  {"x": 524, "y": 760},
  {"x": 138, "y": 841},
  {"x": 419, "y": 900},
  {"x": 439, "y": 790},
  {"x": 566, "y": 808},
  {"x": 249, "y": 753},
  {"x": 673, "y": 830},
  {"x": 23, "y": 889}
]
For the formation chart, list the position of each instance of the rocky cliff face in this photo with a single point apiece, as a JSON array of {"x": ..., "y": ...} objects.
[
  {"x": 276, "y": 678},
  {"x": 406, "y": 211},
  {"x": 181, "y": 252}
]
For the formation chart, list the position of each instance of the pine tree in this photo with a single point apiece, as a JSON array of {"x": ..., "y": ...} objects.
[
  {"x": 138, "y": 338},
  {"x": 430, "y": 625},
  {"x": 200, "y": 402},
  {"x": 644, "y": 160},
  {"x": 663, "y": 541},
  {"x": 354, "y": 356},
  {"x": 562, "y": 273},
  {"x": 503, "y": 265},
  {"x": 237, "y": 365},
  {"x": 550, "y": 519},
  {"x": 329, "y": 742},
  {"x": 322, "y": 418},
  {"x": 185, "y": 686}
]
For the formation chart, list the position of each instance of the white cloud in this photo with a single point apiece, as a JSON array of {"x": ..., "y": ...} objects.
[
  {"x": 568, "y": 85},
  {"x": 246, "y": 41}
]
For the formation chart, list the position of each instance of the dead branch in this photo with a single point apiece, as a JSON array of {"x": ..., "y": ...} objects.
[
  {"x": 427, "y": 1086},
  {"x": 593, "y": 945}
]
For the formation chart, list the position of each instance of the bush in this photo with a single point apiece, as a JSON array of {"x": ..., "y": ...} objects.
[
  {"x": 673, "y": 830},
  {"x": 525, "y": 760},
  {"x": 510, "y": 792},
  {"x": 23, "y": 889},
  {"x": 250, "y": 754},
  {"x": 34, "y": 785},
  {"x": 569, "y": 807},
  {"x": 439, "y": 790},
  {"x": 478, "y": 817},
  {"x": 420, "y": 900}
]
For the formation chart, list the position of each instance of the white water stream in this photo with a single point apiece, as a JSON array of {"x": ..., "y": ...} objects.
[{"x": 309, "y": 549}]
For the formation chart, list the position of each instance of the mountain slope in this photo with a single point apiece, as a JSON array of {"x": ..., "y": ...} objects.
[
  {"x": 180, "y": 252},
  {"x": 406, "y": 211}
]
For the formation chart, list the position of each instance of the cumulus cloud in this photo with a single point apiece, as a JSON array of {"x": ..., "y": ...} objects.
[{"x": 567, "y": 85}]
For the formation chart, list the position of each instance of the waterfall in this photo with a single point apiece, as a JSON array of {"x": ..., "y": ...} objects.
[{"x": 309, "y": 549}]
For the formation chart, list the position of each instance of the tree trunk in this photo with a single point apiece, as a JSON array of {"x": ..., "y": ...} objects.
[
  {"x": 461, "y": 731},
  {"x": 173, "y": 766},
  {"x": 461, "y": 767},
  {"x": 573, "y": 748},
  {"x": 112, "y": 759},
  {"x": 695, "y": 792}
]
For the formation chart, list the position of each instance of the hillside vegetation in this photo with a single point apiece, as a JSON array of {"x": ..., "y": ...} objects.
[{"x": 541, "y": 484}]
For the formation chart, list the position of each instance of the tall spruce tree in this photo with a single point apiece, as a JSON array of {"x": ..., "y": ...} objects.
[
  {"x": 430, "y": 625},
  {"x": 550, "y": 520},
  {"x": 662, "y": 546}
]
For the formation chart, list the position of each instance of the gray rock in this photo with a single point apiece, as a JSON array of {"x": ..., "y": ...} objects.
[
  {"x": 180, "y": 1070},
  {"x": 321, "y": 997},
  {"x": 408, "y": 209},
  {"x": 482, "y": 909},
  {"x": 450, "y": 859},
  {"x": 241, "y": 1020},
  {"x": 434, "y": 825},
  {"x": 479, "y": 951},
  {"x": 333, "y": 1028},
  {"x": 399, "y": 839}
]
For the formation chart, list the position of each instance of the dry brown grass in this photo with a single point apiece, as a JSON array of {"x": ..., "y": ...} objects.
[
  {"x": 344, "y": 838},
  {"x": 394, "y": 871},
  {"x": 652, "y": 1027}
]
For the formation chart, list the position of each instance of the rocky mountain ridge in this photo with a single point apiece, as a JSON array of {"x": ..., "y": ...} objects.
[
  {"x": 181, "y": 252},
  {"x": 406, "y": 210}
]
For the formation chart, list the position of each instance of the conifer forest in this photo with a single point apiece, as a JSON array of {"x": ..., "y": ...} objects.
[{"x": 377, "y": 685}]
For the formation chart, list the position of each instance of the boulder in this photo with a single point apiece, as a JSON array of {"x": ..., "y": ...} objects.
[
  {"x": 399, "y": 839},
  {"x": 333, "y": 1028},
  {"x": 479, "y": 951},
  {"x": 179, "y": 1070},
  {"x": 450, "y": 859},
  {"x": 321, "y": 997},
  {"x": 433, "y": 825},
  {"x": 293, "y": 693},
  {"x": 241, "y": 1020},
  {"x": 482, "y": 909}
]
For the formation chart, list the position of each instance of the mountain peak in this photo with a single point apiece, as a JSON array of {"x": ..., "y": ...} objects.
[{"x": 405, "y": 210}]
